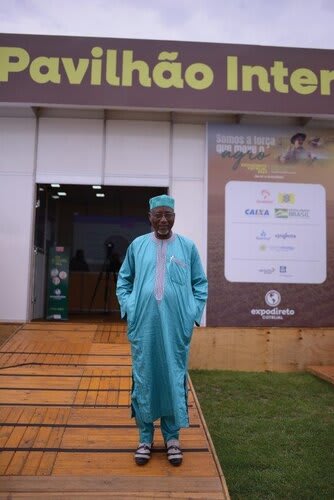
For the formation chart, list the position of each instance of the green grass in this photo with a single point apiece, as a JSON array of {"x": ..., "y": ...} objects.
[{"x": 273, "y": 432}]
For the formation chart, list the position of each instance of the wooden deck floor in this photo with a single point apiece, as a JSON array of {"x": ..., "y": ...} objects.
[
  {"x": 66, "y": 430},
  {"x": 324, "y": 372}
]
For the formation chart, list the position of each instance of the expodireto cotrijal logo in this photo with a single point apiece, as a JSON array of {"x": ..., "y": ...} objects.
[{"x": 272, "y": 299}]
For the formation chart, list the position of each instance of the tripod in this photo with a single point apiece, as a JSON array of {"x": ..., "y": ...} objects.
[{"x": 108, "y": 268}]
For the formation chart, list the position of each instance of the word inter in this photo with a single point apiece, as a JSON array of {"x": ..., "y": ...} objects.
[
  {"x": 303, "y": 81},
  {"x": 121, "y": 69}
]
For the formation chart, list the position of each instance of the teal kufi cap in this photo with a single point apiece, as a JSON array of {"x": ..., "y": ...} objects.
[{"x": 162, "y": 201}]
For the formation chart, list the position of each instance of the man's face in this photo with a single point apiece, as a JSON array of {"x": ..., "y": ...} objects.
[
  {"x": 162, "y": 220},
  {"x": 299, "y": 142}
]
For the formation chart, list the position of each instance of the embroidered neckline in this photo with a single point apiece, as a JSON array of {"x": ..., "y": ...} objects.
[
  {"x": 160, "y": 270},
  {"x": 159, "y": 240}
]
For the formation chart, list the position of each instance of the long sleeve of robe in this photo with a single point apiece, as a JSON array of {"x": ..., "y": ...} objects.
[{"x": 162, "y": 291}]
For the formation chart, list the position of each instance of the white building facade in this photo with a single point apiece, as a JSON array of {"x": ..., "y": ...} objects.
[{"x": 50, "y": 134}]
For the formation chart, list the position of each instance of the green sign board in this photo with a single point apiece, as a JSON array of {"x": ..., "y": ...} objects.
[{"x": 57, "y": 289}]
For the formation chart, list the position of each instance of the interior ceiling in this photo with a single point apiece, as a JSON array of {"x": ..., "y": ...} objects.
[{"x": 85, "y": 193}]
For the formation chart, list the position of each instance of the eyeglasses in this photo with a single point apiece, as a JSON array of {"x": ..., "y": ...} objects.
[{"x": 160, "y": 215}]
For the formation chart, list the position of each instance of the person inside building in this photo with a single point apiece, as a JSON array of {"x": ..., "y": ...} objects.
[
  {"x": 78, "y": 261},
  {"x": 162, "y": 290}
]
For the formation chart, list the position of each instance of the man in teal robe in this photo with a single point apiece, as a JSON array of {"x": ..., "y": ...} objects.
[{"x": 162, "y": 291}]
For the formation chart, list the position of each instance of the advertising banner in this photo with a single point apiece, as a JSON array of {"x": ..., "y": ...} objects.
[
  {"x": 270, "y": 226},
  {"x": 57, "y": 289}
]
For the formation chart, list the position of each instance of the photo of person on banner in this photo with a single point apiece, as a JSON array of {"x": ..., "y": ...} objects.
[{"x": 297, "y": 151}]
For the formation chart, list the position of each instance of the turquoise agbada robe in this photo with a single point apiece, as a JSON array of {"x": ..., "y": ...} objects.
[{"x": 162, "y": 291}]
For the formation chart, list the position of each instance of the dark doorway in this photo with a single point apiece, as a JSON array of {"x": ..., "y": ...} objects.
[{"x": 96, "y": 224}]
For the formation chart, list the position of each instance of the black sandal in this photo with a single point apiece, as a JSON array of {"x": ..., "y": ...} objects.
[
  {"x": 143, "y": 453},
  {"x": 174, "y": 453}
]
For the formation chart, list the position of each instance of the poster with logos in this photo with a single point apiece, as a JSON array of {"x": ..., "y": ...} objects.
[
  {"x": 270, "y": 226},
  {"x": 276, "y": 233},
  {"x": 57, "y": 285}
]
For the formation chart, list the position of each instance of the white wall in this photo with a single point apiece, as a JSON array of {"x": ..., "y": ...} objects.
[
  {"x": 137, "y": 153},
  {"x": 188, "y": 183},
  {"x": 70, "y": 151},
  {"x": 87, "y": 151},
  {"x": 16, "y": 213}
]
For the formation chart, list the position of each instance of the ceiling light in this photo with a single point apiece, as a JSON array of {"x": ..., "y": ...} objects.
[
  {"x": 55, "y": 197},
  {"x": 62, "y": 193},
  {"x": 55, "y": 185},
  {"x": 100, "y": 195},
  {"x": 96, "y": 187},
  {"x": 40, "y": 189}
]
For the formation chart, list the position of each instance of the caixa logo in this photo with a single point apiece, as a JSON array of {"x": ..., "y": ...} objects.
[{"x": 257, "y": 212}]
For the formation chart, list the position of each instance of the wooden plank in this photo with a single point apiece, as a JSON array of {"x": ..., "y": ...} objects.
[
  {"x": 114, "y": 384},
  {"x": 213, "y": 451},
  {"x": 124, "y": 395},
  {"x": 117, "y": 416},
  {"x": 4, "y": 412},
  {"x": 36, "y": 397},
  {"x": 94, "y": 385},
  {"x": 116, "y": 371},
  {"x": 219, "y": 348},
  {"x": 7, "y": 331},
  {"x": 33, "y": 460},
  {"x": 261, "y": 349},
  {"x": 48, "y": 459},
  {"x": 102, "y": 395},
  {"x": 81, "y": 394},
  {"x": 54, "y": 359},
  {"x": 5, "y": 359},
  {"x": 12, "y": 417},
  {"x": 32, "y": 464},
  {"x": 13, "y": 440},
  {"x": 99, "y": 334},
  {"x": 108, "y": 360},
  {"x": 19, "y": 458},
  {"x": 57, "y": 326},
  {"x": 40, "y": 371},
  {"x": 75, "y": 495},
  {"x": 324, "y": 372},
  {"x": 124, "y": 438},
  {"x": 17, "y": 433},
  {"x": 114, "y": 334},
  {"x": 63, "y": 371},
  {"x": 122, "y": 464},
  {"x": 100, "y": 416},
  {"x": 51, "y": 336},
  {"x": 100, "y": 483},
  {"x": 52, "y": 382},
  {"x": 73, "y": 354},
  {"x": 110, "y": 349}
]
